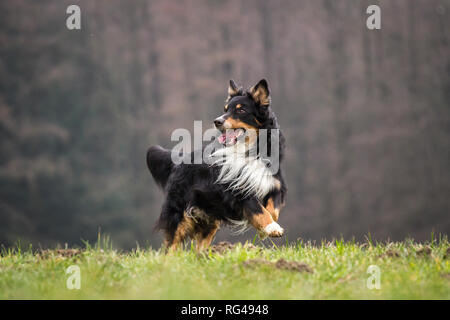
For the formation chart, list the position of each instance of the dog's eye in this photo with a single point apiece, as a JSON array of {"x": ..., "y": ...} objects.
[{"x": 240, "y": 110}]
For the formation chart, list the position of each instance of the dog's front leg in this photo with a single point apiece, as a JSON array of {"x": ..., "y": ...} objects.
[{"x": 260, "y": 218}]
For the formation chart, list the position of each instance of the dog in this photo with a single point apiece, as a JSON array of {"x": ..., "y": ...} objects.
[{"x": 238, "y": 189}]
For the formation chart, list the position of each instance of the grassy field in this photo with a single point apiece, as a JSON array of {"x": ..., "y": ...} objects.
[{"x": 330, "y": 270}]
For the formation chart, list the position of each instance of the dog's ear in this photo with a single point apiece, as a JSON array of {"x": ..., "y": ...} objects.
[
  {"x": 260, "y": 93},
  {"x": 233, "y": 89}
]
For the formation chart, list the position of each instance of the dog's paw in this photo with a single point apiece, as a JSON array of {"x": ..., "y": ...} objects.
[{"x": 273, "y": 230}]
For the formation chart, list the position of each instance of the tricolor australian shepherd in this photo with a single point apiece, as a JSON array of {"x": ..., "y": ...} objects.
[{"x": 237, "y": 189}]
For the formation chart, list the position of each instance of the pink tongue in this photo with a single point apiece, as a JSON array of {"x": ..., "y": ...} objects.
[
  {"x": 226, "y": 137},
  {"x": 222, "y": 138}
]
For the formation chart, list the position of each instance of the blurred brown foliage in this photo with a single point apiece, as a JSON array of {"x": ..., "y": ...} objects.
[{"x": 366, "y": 113}]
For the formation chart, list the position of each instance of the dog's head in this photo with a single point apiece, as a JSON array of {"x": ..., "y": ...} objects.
[{"x": 244, "y": 111}]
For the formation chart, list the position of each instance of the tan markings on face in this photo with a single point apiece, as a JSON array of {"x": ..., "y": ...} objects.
[
  {"x": 238, "y": 106},
  {"x": 226, "y": 107},
  {"x": 232, "y": 123},
  {"x": 260, "y": 220}
]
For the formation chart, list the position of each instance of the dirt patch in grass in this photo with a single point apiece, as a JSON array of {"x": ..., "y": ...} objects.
[
  {"x": 251, "y": 247},
  {"x": 390, "y": 254},
  {"x": 256, "y": 263},
  {"x": 65, "y": 253},
  {"x": 423, "y": 252},
  {"x": 224, "y": 246},
  {"x": 281, "y": 264},
  {"x": 293, "y": 266}
]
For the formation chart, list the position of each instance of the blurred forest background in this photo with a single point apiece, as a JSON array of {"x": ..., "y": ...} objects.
[{"x": 366, "y": 113}]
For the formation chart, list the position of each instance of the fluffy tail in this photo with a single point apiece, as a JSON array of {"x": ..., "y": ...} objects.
[{"x": 160, "y": 163}]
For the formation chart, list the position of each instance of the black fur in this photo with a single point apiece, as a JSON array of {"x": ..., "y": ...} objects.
[
  {"x": 194, "y": 185},
  {"x": 160, "y": 164}
]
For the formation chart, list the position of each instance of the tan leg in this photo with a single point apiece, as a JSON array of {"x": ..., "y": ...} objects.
[
  {"x": 185, "y": 229},
  {"x": 204, "y": 239},
  {"x": 264, "y": 223},
  {"x": 274, "y": 212}
]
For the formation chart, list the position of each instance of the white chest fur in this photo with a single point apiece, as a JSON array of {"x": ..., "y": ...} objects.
[{"x": 245, "y": 174}]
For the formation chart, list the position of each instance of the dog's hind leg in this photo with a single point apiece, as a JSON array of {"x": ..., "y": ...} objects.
[
  {"x": 174, "y": 221},
  {"x": 205, "y": 236},
  {"x": 184, "y": 229}
]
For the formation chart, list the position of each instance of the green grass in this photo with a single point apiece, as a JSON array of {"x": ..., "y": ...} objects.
[{"x": 408, "y": 271}]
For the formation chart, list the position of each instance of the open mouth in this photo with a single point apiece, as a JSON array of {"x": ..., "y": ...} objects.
[{"x": 230, "y": 137}]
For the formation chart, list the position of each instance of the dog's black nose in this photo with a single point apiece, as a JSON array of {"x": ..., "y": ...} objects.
[{"x": 218, "y": 122}]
